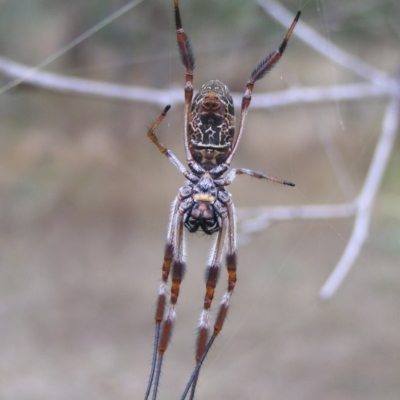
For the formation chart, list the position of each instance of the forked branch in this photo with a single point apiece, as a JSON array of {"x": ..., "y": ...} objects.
[{"x": 377, "y": 85}]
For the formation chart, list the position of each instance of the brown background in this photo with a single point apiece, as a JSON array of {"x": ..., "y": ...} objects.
[{"x": 85, "y": 196}]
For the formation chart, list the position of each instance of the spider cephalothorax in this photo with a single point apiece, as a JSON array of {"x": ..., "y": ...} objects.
[{"x": 203, "y": 203}]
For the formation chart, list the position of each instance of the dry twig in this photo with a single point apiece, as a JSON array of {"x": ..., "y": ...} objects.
[{"x": 377, "y": 85}]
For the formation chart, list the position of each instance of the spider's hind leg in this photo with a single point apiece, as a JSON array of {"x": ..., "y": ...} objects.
[
  {"x": 173, "y": 264},
  {"x": 226, "y": 238}
]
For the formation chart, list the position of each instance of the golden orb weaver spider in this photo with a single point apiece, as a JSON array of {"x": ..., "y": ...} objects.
[{"x": 203, "y": 203}]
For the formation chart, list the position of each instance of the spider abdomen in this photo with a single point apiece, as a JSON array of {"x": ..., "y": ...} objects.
[{"x": 212, "y": 124}]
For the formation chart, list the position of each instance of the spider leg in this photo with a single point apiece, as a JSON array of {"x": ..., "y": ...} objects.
[
  {"x": 254, "y": 174},
  {"x": 227, "y": 237},
  {"x": 173, "y": 264},
  {"x": 187, "y": 58},
  {"x": 162, "y": 291},
  {"x": 259, "y": 72},
  {"x": 178, "y": 270},
  {"x": 212, "y": 275},
  {"x": 168, "y": 153}
]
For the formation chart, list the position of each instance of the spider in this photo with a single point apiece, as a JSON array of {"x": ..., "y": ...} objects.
[{"x": 203, "y": 203}]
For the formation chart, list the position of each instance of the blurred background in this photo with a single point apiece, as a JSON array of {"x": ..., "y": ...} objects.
[{"x": 85, "y": 198}]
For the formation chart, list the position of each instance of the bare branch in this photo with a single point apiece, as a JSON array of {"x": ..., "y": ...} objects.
[
  {"x": 344, "y": 210},
  {"x": 312, "y": 95},
  {"x": 365, "y": 200},
  {"x": 85, "y": 87},
  {"x": 101, "y": 24},
  {"x": 362, "y": 206},
  {"x": 324, "y": 46},
  {"x": 257, "y": 219},
  {"x": 71, "y": 85}
]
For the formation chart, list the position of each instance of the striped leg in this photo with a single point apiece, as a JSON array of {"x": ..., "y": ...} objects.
[
  {"x": 259, "y": 72},
  {"x": 228, "y": 236},
  {"x": 187, "y": 58},
  {"x": 162, "y": 292},
  {"x": 178, "y": 270},
  {"x": 173, "y": 260},
  {"x": 212, "y": 274}
]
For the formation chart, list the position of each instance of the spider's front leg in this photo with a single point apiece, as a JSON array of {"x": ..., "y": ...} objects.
[
  {"x": 187, "y": 59},
  {"x": 168, "y": 153},
  {"x": 226, "y": 238},
  {"x": 258, "y": 73}
]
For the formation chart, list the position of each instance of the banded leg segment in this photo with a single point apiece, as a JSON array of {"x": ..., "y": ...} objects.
[
  {"x": 266, "y": 65},
  {"x": 177, "y": 271},
  {"x": 259, "y": 72},
  {"x": 162, "y": 291},
  {"x": 231, "y": 266},
  {"x": 212, "y": 274},
  {"x": 187, "y": 58},
  {"x": 229, "y": 239}
]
